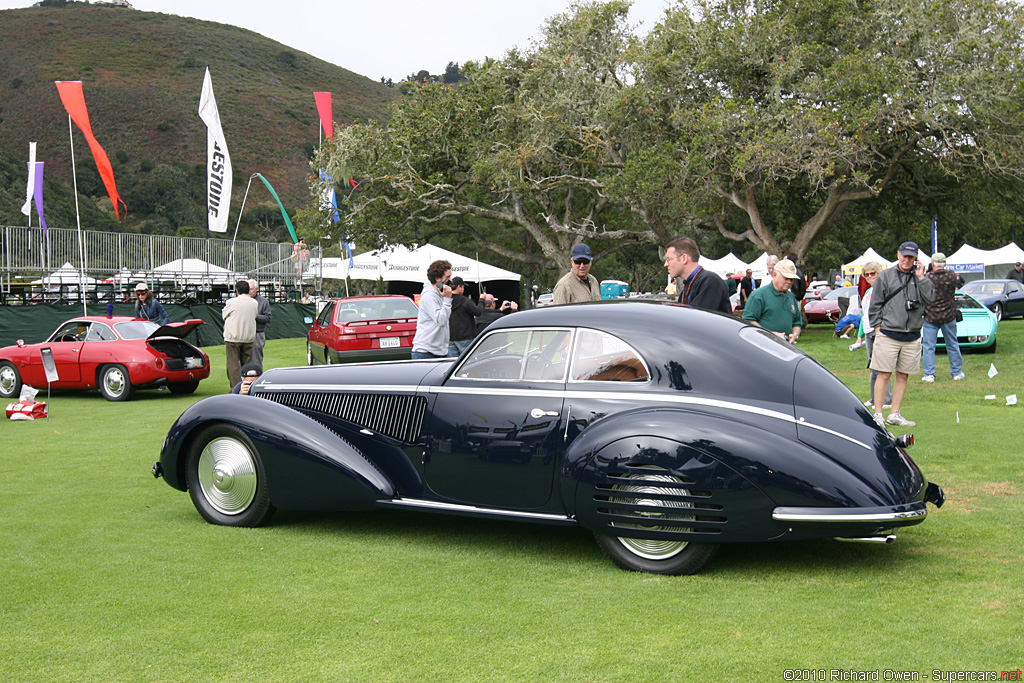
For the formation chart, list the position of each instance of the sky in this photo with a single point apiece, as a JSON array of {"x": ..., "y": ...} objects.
[{"x": 387, "y": 38}]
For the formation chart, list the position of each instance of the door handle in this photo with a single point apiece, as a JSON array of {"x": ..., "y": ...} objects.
[{"x": 537, "y": 413}]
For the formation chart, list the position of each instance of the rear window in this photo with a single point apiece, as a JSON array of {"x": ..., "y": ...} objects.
[
  {"x": 136, "y": 329},
  {"x": 376, "y": 309}
]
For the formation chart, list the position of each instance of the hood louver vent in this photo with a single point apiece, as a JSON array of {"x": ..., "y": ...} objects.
[{"x": 399, "y": 417}]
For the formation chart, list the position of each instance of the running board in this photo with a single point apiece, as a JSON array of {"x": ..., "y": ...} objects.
[{"x": 475, "y": 511}]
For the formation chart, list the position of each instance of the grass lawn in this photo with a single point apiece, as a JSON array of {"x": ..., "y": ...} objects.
[{"x": 108, "y": 575}]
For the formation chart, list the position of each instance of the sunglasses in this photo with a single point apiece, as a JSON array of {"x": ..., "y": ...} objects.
[{"x": 581, "y": 261}]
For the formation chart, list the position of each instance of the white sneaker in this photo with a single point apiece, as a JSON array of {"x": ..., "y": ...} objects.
[
  {"x": 928, "y": 378},
  {"x": 899, "y": 421},
  {"x": 959, "y": 376},
  {"x": 880, "y": 420}
]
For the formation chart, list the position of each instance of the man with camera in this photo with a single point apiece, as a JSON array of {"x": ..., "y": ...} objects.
[
  {"x": 941, "y": 315},
  {"x": 432, "y": 321},
  {"x": 493, "y": 312},
  {"x": 897, "y": 314}
]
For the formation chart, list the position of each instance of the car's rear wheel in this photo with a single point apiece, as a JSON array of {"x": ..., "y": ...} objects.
[
  {"x": 183, "y": 387},
  {"x": 226, "y": 479},
  {"x": 10, "y": 380},
  {"x": 998, "y": 310},
  {"x": 115, "y": 383},
  {"x": 653, "y": 555}
]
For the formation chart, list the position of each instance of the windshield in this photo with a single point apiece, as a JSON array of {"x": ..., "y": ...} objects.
[
  {"x": 983, "y": 287},
  {"x": 965, "y": 301},
  {"x": 136, "y": 329},
  {"x": 843, "y": 291}
]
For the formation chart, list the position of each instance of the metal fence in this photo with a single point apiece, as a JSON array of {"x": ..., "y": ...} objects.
[{"x": 28, "y": 257}]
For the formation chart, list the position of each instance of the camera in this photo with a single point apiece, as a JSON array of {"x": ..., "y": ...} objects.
[{"x": 913, "y": 304}]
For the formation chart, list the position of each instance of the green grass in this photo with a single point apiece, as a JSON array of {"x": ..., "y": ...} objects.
[{"x": 109, "y": 575}]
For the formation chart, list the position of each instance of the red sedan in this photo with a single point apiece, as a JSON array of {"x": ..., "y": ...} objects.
[
  {"x": 362, "y": 328},
  {"x": 118, "y": 355}
]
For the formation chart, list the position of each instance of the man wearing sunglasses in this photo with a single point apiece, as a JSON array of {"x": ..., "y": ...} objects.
[{"x": 578, "y": 284}]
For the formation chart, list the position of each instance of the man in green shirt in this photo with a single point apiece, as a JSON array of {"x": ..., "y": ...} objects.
[{"x": 774, "y": 307}]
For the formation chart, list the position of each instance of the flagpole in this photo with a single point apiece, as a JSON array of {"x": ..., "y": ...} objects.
[
  {"x": 78, "y": 218},
  {"x": 231, "y": 256}
]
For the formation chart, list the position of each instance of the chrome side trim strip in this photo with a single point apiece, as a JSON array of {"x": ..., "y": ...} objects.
[
  {"x": 834, "y": 515},
  {"x": 473, "y": 509},
  {"x": 567, "y": 394}
]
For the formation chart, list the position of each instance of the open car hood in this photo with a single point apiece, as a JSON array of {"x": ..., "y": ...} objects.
[{"x": 179, "y": 330}]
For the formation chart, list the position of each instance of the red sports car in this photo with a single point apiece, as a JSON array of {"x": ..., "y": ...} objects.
[
  {"x": 826, "y": 309},
  {"x": 362, "y": 328},
  {"x": 118, "y": 355}
]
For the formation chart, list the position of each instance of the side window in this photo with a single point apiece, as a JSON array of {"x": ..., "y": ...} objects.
[
  {"x": 324, "y": 319},
  {"x": 600, "y": 357},
  {"x": 100, "y": 332},
  {"x": 538, "y": 355},
  {"x": 71, "y": 332},
  {"x": 1014, "y": 288}
]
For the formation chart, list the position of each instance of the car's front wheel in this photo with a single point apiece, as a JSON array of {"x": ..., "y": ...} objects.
[
  {"x": 998, "y": 310},
  {"x": 309, "y": 353},
  {"x": 115, "y": 383},
  {"x": 10, "y": 380},
  {"x": 656, "y": 555},
  {"x": 226, "y": 479}
]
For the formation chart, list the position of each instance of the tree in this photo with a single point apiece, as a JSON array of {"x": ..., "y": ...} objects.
[
  {"x": 519, "y": 157},
  {"x": 835, "y": 102}
]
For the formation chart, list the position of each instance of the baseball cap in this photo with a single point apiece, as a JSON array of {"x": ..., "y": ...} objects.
[
  {"x": 787, "y": 268},
  {"x": 141, "y": 287},
  {"x": 939, "y": 258},
  {"x": 909, "y": 249},
  {"x": 581, "y": 251},
  {"x": 488, "y": 297},
  {"x": 457, "y": 282}
]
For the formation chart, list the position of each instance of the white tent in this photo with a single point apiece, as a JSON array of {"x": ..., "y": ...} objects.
[
  {"x": 974, "y": 263},
  {"x": 759, "y": 266},
  {"x": 65, "y": 275},
  {"x": 408, "y": 265},
  {"x": 725, "y": 266},
  {"x": 856, "y": 264},
  {"x": 189, "y": 270}
]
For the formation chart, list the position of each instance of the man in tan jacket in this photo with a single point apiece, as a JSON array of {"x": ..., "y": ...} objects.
[{"x": 578, "y": 284}]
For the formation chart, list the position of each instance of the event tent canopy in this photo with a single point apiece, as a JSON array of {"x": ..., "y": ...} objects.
[
  {"x": 189, "y": 270},
  {"x": 870, "y": 255},
  {"x": 65, "y": 275},
  {"x": 725, "y": 266},
  {"x": 399, "y": 263},
  {"x": 993, "y": 263}
]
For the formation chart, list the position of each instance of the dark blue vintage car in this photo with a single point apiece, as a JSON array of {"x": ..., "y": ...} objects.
[{"x": 662, "y": 429}]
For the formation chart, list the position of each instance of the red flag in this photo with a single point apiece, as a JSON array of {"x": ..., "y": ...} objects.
[
  {"x": 323, "y": 107},
  {"x": 353, "y": 183},
  {"x": 73, "y": 99}
]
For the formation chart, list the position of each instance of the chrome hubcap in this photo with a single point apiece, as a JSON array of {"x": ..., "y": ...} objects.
[
  {"x": 227, "y": 475},
  {"x": 7, "y": 379},
  {"x": 114, "y": 381},
  {"x": 655, "y": 549}
]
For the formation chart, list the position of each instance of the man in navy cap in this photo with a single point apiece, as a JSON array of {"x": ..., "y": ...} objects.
[
  {"x": 578, "y": 284},
  {"x": 896, "y": 312}
]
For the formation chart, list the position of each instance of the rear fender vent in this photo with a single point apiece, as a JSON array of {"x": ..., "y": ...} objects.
[
  {"x": 656, "y": 501},
  {"x": 399, "y": 417}
]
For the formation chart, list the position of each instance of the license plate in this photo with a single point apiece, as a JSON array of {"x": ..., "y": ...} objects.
[{"x": 390, "y": 342}]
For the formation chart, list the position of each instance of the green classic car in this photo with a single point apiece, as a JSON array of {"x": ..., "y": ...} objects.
[{"x": 977, "y": 330}]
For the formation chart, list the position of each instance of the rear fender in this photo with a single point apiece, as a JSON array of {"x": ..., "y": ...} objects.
[
  {"x": 308, "y": 466},
  {"x": 735, "y": 472}
]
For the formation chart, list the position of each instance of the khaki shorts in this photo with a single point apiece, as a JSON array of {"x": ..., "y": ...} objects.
[{"x": 889, "y": 355}]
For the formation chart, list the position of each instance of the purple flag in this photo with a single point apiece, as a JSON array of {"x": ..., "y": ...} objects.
[{"x": 39, "y": 195}]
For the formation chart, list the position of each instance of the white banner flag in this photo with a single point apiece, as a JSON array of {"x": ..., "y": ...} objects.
[
  {"x": 30, "y": 190},
  {"x": 218, "y": 161}
]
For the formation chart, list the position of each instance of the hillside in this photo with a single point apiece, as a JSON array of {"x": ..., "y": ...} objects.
[{"x": 142, "y": 74}]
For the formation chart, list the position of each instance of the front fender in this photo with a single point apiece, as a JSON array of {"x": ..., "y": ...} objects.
[{"x": 308, "y": 466}]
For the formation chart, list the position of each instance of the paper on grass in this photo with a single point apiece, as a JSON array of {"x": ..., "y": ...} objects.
[
  {"x": 1011, "y": 400},
  {"x": 992, "y": 372}
]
